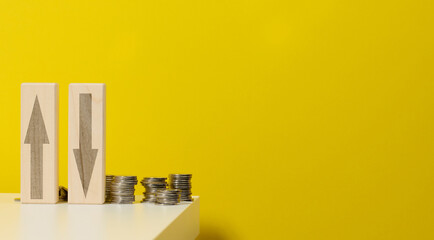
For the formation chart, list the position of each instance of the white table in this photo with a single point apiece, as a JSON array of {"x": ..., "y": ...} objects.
[{"x": 93, "y": 222}]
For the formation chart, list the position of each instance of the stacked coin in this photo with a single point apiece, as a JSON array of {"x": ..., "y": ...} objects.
[
  {"x": 152, "y": 185},
  {"x": 168, "y": 196},
  {"x": 63, "y": 193},
  {"x": 182, "y": 182},
  {"x": 108, "y": 182},
  {"x": 122, "y": 189}
]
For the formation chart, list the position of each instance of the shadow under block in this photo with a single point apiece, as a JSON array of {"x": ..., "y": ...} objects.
[
  {"x": 86, "y": 144},
  {"x": 39, "y": 142}
]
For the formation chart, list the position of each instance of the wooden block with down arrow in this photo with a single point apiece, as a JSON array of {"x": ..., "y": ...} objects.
[
  {"x": 39, "y": 142},
  {"x": 86, "y": 144}
]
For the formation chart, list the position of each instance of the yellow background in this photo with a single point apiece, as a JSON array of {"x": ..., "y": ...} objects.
[{"x": 298, "y": 119}]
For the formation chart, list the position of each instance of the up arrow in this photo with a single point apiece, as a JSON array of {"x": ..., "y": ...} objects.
[
  {"x": 36, "y": 136},
  {"x": 85, "y": 156}
]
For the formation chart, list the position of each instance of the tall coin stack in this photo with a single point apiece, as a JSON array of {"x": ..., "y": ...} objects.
[
  {"x": 108, "y": 182},
  {"x": 181, "y": 182},
  {"x": 168, "y": 196},
  {"x": 152, "y": 185},
  {"x": 122, "y": 189}
]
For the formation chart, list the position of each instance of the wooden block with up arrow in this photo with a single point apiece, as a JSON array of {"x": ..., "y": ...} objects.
[
  {"x": 39, "y": 142},
  {"x": 86, "y": 144}
]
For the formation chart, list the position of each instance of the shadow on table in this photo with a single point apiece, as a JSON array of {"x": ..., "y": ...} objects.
[{"x": 209, "y": 232}]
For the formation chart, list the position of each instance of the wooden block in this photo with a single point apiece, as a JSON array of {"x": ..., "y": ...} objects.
[
  {"x": 39, "y": 143},
  {"x": 86, "y": 144}
]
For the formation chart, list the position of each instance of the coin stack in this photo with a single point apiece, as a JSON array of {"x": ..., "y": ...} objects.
[
  {"x": 108, "y": 182},
  {"x": 152, "y": 185},
  {"x": 182, "y": 182},
  {"x": 122, "y": 189},
  {"x": 168, "y": 196},
  {"x": 63, "y": 193}
]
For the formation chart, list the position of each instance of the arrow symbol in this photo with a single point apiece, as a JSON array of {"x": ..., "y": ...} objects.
[
  {"x": 85, "y": 156},
  {"x": 36, "y": 136}
]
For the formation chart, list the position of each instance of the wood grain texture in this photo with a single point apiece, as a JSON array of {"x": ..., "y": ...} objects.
[
  {"x": 39, "y": 142},
  {"x": 86, "y": 144}
]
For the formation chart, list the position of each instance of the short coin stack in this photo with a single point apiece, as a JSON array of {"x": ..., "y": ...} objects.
[
  {"x": 122, "y": 189},
  {"x": 152, "y": 185},
  {"x": 182, "y": 182},
  {"x": 168, "y": 196},
  {"x": 63, "y": 193},
  {"x": 108, "y": 182}
]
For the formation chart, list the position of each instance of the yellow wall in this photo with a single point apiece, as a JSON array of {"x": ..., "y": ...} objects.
[{"x": 298, "y": 119}]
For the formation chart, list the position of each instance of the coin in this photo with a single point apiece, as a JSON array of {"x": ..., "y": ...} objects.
[
  {"x": 152, "y": 185},
  {"x": 168, "y": 196},
  {"x": 122, "y": 189},
  {"x": 108, "y": 182},
  {"x": 181, "y": 182},
  {"x": 63, "y": 194}
]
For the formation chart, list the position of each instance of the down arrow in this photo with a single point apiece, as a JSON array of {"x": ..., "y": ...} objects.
[{"x": 85, "y": 156}]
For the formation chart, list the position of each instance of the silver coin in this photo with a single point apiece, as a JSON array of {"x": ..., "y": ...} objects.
[
  {"x": 108, "y": 181},
  {"x": 122, "y": 189},
  {"x": 182, "y": 182},
  {"x": 180, "y": 175},
  {"x": 152, "y": 185},
  {"x": 154, "y": 179}
]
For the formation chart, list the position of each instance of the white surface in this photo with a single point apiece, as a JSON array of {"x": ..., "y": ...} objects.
[{"x": 107, "y": 221}]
